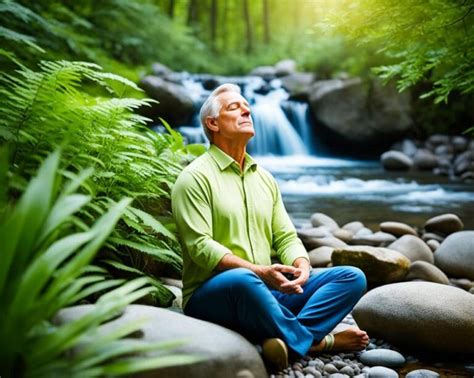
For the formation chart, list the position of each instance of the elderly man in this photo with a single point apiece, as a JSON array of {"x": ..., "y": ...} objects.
[{"x": 231, "y": 220}]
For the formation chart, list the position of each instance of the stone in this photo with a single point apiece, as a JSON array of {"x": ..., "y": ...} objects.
[
  {"x": 459, "y": 143},
  {"x": 178, "y": 296},
  {"x": 397, "y": 228},
  {"x": 313, "y": 232},
  {"x": 320, "y": 219},
  {"x": 455, "y": 255},
  {"x": 175, "y": 105},
  {"x": 396, "y": 161},
  {"x": 413, "y": 248},
  {"x": 463, "y": 283},
  {"x": 339, "y": 375},
  {"x": 382, "y": 357},
  {"x": 446, "y": 224},
  {"x": 419, "y": 316},
  {"x": 327, "y": 242},
  {"x": 343, "y": 235},
  {"x": 298, "y": 84},
  {"x": 433, "y": 244},
  {"x": 364, "y": 231},
  {"x": 172, "y": 282},
  {"x": 373, "y": 112},
  {"x": 425, "y": 160},
  {"x": 160, "y": 69},
  {"x": 330, "y": 368},
  {"x": 380, "y": 265},
  {"x": 378, "y": 238},
  {"x": 353, "y": 226},
  {"x": 285, "y": 67},
  {"x": 224, "y": 352},
  {"x": 431, "y": 235},
  {"x": 381, "y": 372},
  {"x": 422, "y": 373},
  {"x": 437, "y": 139},
  {"x": 347, "y": 370},
  {"x": 422, "y": 270},
  {"x": 408, "y": 147},
  {"x": 320, "y": 256},
  {"x": 266, "y": 72}
]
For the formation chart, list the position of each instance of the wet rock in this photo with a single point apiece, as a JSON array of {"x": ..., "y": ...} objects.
[
  {"x": 160, "y": 69},
  {"x": 382, "y": 357},
  {"x": 353, "y": 226},
  {"x": 422, "y": 373},
  {"x": 413, "y": 248},
  {"x": 320, "y": 256},
  {"x": 428, "y": 272},
  {"x": 285, "y": 67},
  {"x": 419, "y": 315},
  {"x": 298, "y": 84},
  {"x": 459, "y": 143},
  {"x": 446, "y": 223},
  {"x": 379, "y": 264},
  {"x": 320, "y": 219},
  {"x": 425, "y": 160},
  {"x": 266, "y": 72},
  {"x": 381, "y": 372},
  {"x": 397, "y": 228},
  {"x": 455, "y": 255},
  {"x": 376, "y": 239},
  {"x": 396, "y": 160}
]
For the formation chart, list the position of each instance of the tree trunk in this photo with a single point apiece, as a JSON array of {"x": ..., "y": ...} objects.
[
  {"x": 171, "y": 8},
  {"x": 266, "y": 22},
  {"x": 248, "y": 27},
  {"x": 192, "y": 13},
  {"x": 213, "y": 24},
  {"x": 225, "y": 29}
]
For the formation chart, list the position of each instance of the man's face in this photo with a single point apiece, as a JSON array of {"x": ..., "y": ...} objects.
[{"x": 234, "y": 119}]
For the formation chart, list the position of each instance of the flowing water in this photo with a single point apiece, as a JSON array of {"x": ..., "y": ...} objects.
[{"x": 313, "y": 181}]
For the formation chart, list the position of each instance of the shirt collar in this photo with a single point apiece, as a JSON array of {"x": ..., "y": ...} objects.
[{"x": 224, "y": 161}]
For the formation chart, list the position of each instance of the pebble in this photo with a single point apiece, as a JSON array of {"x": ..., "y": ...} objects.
[
  {"x": 347, "y": 370},
  {"x": 310, "y": 370},
  {"x": 330, "y": 368},
  {"x": 422, "y": 373},
  {"x": 382, "y": 372},
  {"x": 317, "y": 363},
  {"x": 383, "y": 357},
  {"x": 339, "y": 375},
  {"x": 371, "y": 346},
  {"x": 339, "y": 364}
]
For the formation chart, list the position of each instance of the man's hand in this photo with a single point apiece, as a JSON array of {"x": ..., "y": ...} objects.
[
  {"x": 300, "y": 275},
  {"x": 274, "y": 276}
]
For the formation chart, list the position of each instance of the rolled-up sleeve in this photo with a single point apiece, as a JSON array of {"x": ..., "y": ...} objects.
[
  {"x": 286, "y": 244},
  {"x": 191, "y": 204}
]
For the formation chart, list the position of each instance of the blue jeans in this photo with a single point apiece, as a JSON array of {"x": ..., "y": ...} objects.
[{"x": 238, "y": 299}]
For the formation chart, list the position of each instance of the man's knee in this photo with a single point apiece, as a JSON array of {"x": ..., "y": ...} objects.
[
  {"x": 357, "y": 277},
  {"x": 240, "y": 278}
]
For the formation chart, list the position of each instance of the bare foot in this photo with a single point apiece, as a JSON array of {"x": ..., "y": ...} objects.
[{"x": 350, "y": 340}]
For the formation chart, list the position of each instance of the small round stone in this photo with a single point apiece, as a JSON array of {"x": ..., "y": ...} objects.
[
  {"x": 422, "y": 373},
  {"x": 382, "y": 372},
  {"x": 330, "y": 368},
  {"x": 382, "y": 357},
  {"x": 339, "y": 375},
  {"x": 347, "y": 370},
  {"x": 339, "y": 364}
]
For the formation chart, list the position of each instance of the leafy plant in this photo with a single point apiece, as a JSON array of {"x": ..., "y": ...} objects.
[{"x": 44, "y": 267}]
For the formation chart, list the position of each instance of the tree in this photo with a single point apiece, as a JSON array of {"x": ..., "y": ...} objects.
[
  {"x": 266, "y": 22},
  {"x": 213, "y": 24},
  {"x": 171, "y": 6},
  {"x": 248, "y": 27}
]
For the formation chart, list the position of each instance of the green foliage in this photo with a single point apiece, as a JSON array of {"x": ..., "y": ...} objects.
[
  {"x": 44, "y": 267},
  {"x": 425, "y": 40}
]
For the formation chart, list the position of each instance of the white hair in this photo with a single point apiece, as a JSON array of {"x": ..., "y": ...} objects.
[{"x": 212, "y": 105}]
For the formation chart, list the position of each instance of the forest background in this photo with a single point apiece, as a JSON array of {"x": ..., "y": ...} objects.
[{"x": 70, "y": 103}]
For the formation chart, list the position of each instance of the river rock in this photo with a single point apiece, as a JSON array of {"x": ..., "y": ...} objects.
[
  {"x": 178, "y": 296},
  {"x": 224, "y": 352},
  {"x": 320, "y": 219},
  {"x": 381, "y": 372},
  {"x": 175, "y": 105},
  {"x": 359, "y": 114},
  {"x": 463, "y": 283},
  {"x": 160, "y": 69},
  {"x": 297, "y": 84},
  {"x": 396, "y": 160},
  {"x": 364, "y": 231},
  {"x": 407, "y": 146},
  {"x": 432, "y": 236},
  {"x": 455, "y": 256},
  {"x": 353, "y": 226},
  {"x": 266, "y": 72},
  {"x": 433, "y": 244},
  {"x": 314, "y": 232},
  {"x": 379, "y": 264},
  {"x": 320, "y": 256},
  {"x": 446, "y": 223},
  {"x": 422, "y": 270},
  {"x": 328, "y": 242},
  {"x": 376, "y": 239},
  {"x": 397, "y": 228},
  {"x": 419, "y": 315},
  {"x": 422, "y": 373},
  {"x": 425, "y": 160},
  {"x": 342, "y": 234},
  {"x": 285, "y": 67},
  {"x": 382, "y": 357},
  {"x": 413, "y": 248},
  {"x": 437, "y": 139}
]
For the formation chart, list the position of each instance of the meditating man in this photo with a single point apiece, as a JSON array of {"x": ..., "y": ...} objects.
[{"x": 231, "y": 220}]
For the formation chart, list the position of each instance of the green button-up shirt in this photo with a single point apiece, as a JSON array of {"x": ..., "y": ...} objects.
[{"x": 219, "y": 209}]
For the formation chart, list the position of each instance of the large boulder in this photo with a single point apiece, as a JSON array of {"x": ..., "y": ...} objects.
[
  {"x": 360, "y": 112},
  {"x": 265, "y": 72},
  {"x": 285, "y": 67},
  {"x": 421, "y": 270},
  {"x": 298, "y": 84},
  {"x": 320, "y": 257},
  {"x": 380, "y": 265},
  {"x": 396, "y": 160},
  {"x": 175, "y": 105},
  {"x": 445, "y": 223},
  {"x": 419, "y": 315},
  {"x": 455, "y": 255},
  {"x": 425, "y": 160},
  {"x": 224, "y": 352},
  {"x": 413, "y": 248}
]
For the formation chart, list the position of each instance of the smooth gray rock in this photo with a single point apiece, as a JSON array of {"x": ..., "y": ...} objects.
[
  {"x": 413, "y": 248},
  {"x": 313, "y": 232},
  {"x": 266, "y": 72},
  {"x": 382, "y": 357},
  {"x": 344, "y": 235},
  {"x": 397, "y": 228},
  {"x": 422, "y": 270},
  {"x": 382, "y": 372},
  {"x": 422, "y": 373},
  {"x": 376, "y": 239},
  {"x": 425, "y": 160},
  {"x": 445, "y": 223},
  {"x": 353, "y": 226},
  {"x": 380, "y": 265},
  {"x": 320, "y": 219},
  {"x": 225, "y": 352},
  {"x": 160, "y": 69},
  {"x": 339, "y": 375},
  {"x": 419, "y": 315},
  {"x": 463, "y": 283},
  {"x": 432, "y": 236},
  {"x": 320, "y": 256},
  {"x": 285, "y": 67},
  {"x": 298, "y": 84},
  {"x": 330, "y": 369},
  {"x": 433, "y": 244},
  {"x": 455, "y": 255},
  {"x": 396, "y": 161}
]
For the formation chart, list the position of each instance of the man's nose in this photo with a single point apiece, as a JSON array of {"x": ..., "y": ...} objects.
[{"x": 245, "y": 110}]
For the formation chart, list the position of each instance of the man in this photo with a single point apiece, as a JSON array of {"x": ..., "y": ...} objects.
[{"x": 230, "y": 218}]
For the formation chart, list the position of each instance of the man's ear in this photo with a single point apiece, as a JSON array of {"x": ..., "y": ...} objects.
[{"x": 211, "y": 124}]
